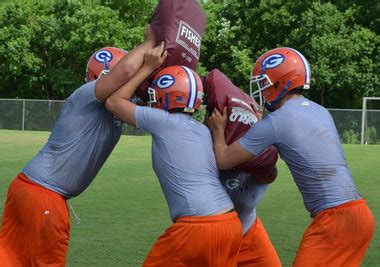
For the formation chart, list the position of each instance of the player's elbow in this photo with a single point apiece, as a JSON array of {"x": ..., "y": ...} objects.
[
  {"x": 222, "y": 163},
  {"x": 111, "y": 103},
  {"x": 222, "y": 167},
  {"x": 129, "y": 68}
]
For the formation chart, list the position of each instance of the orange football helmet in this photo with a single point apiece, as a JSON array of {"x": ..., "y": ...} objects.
[
  {"x": 176, "y": 87},
  {"x": 102, "y": 61},
  {"x": 276, "y": 73}
]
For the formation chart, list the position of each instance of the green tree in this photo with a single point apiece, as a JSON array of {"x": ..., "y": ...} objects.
[
  {"x": 133, "y": 12},
  {"x": 44, "y": 47},
  {"x": 366, "y": 13},
  {"x": 341, "y": 48},
  {"x": 344, "y": 58},
  {"x": 19, "y": 65},
  {"x": 239, "y": 31}
]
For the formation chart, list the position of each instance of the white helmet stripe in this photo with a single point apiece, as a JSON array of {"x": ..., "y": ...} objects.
[
  {"x": 306, "y": 64},
  {"x": 193, "y": 88}
]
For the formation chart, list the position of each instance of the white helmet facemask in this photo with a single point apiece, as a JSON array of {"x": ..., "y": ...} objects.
[
  {"x": 257, "y": 84},
  {"x": 106, "y": 68},
  {"x": 103, "y": 72},
  {"x": 152, "y": 96}
]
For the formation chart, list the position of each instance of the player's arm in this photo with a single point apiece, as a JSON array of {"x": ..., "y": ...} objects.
[
  {"x": 230, "y": 156},
  {"x": 125, "y": 68},
  {"x": 118, "y": 103}
]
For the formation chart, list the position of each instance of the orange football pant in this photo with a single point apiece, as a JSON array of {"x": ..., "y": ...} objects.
[
  {"x": 35, "y": 226},
  {"x": 257, "y": 249},
  {"x": 199, "y": 241},
  {"x": 337, "y": 236}
]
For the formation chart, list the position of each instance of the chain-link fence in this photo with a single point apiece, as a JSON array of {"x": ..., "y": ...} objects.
[
  {"x": 40, "y": 115},
  {"x": 349, "y": 121},
  {"x": 33, "y": 115}
]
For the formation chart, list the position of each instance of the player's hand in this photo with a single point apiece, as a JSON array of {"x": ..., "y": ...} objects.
[
  {"x": 154, "y": 58},
  {"x": 259, "y": 114},
  {"x": 259, "y": 111},
  {"x": 217, "y": 121}
]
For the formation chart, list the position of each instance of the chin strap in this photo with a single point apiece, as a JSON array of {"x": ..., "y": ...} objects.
[
  {"x": 105, "y": 64},
  {"x": 272, "y": 106},
  {"x": 166, "y": 106}
]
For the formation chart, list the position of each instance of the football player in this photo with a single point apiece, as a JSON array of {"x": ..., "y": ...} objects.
[
  {"x": 246, "y": 184},
  {"x": 206, "y": 231},
  {"x": 256, "y": 248},
  {"x": 307, "y": 140},
  {"x": 35, "y": 224}
]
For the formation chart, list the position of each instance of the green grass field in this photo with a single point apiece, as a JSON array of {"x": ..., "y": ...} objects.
[{"x": 123, "y": 211}]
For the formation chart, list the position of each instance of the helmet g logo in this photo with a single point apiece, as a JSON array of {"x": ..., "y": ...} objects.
[
  {"x": 273, "y": 61},
  {"x": 103, "y": 56},
  {"x": 165, "y": 81}
]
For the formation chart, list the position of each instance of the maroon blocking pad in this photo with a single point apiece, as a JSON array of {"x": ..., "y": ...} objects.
[
  {"x": 181, "y": 25},
  {"x": 221, "y": 92}
]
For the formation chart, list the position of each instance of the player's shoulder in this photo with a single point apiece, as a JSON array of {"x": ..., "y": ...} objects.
[
  {"x": 153, "y": 116},
  {"x": 271, "y": 117},
  {"x": 83, "y": 89},
  {"x": 87, "y": 88},
  {"x": 150, "y": 110},
  {"x": 304, "y": 104}
]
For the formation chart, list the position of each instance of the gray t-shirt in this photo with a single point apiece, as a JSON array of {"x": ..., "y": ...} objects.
[
  {"x": 184, "y": 162},
  {"x": 307, "y": 139},
  {"x": 244, "y": 193},
  {"x": 81, "y": 141}
]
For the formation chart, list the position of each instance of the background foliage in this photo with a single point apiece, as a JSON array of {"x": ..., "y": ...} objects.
[{"x": 45, "y": 45}]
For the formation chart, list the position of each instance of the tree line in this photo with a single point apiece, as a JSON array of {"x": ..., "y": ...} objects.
[{"x": 45, "y": 45}]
